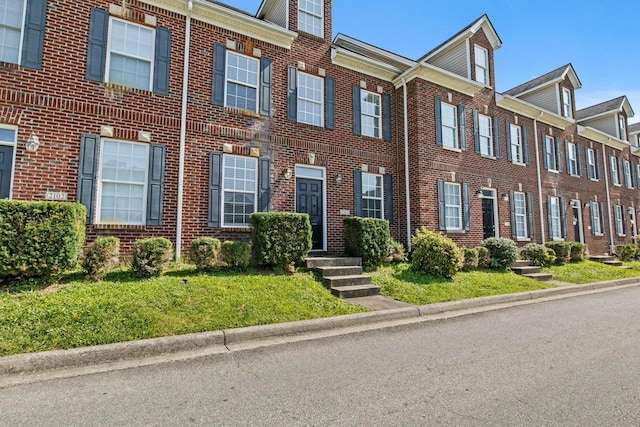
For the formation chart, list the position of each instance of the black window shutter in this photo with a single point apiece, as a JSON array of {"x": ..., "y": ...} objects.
[
  {"x": 467, "y": 209},
  {"x": 530, "y": 215},
  {"x": 441, "y": 206},
  {"x": 215, "y": 188},
  {"x": 525, "y": 145},
  {"x": 637, "y": 175},
  {"x": 476, "y": 131},
  {"x": 330, "y": 103},
  {"x": 602, "y": 218},
  {"x": 266, "y": 77},
  {"x": 155, "y": 184},
  {"x": 496, "y": 137},
  {"x": 162, "y": 61},
  {"x": 34, "y": 34},
  {"x": 593, "y": 205},
  {"x": 265, "y": 185},
  {"x": 462, "y": 127},
  {"x": 97, "y": 48},
  {"x": 512, "y": 207},
  {"x": 357, "y": 117},
  {"x": 438, "y": 115},
  {"x": 566, "y": 153},
  {"x": 545, "y": 159},
  {"x": 620, "y": 169},
  {"x": 388, "y": 198},
  {"x": 579, "y": 159},
  {"x": 549, "y": 216},
  {"x": 598, "y": 173},
  {"x": 386, "y": 117},
  {"x": 507, "y": 127},
  {"x": 624, "y": 219},
  {"x": 357, "y": 193},
  {"x": 219, "y": 70},
  {"x": 558, "y": 155},
  {"x": 87, "y": 173},
  {"x": 292, "y": 93},
  {"x": 563, "y": 216}
]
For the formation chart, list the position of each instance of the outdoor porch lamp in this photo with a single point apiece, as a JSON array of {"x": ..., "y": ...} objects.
[{"x": 33, "y": 142}]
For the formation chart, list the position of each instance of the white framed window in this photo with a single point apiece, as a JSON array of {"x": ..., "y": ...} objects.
[
  {"x": 627, "y": 174},
  {"x": 550, "y": 153},
  {"x": 520, "y": 214},
  {"x": 555, "y": 229},
  {"x": 449, "y": 126},
  {"x": 239, "y": 190},
  {"x": 130, "y": 54},
  {"x": 453, "y": 206},
  {"x": 310, "y": 99},
  {"x": 12, "y": 15},
  {"x": 591, "y": 164},
  {"x": 241, "y": 80},
  {"x": 482, "y": 64},
  {"x": 310, "y": 16},
  {"x": 567, "y": 107},
  {"x": 619, "y": 221},
  {"x": 622, "y": 127},
  {"x": 8, "y": 141},
  {"x": 486, "y": 135},
  {"x": 516, "y": 144},
  {"x": 122, "y": 184},
  {"x": 372, "y": 196},
  {"x": 370, "y": 114},
  {"x": 615, "y": 175},
  {"x": 572, "y": 159},
  {"x": 8, "y": 135},
  {"x": 596, "y": 219}
]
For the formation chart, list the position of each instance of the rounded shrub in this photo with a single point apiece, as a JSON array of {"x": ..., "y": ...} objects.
[
  {"x": 151, "y": 256},
  {"x": 626, "y": 252},
  {"x": 469, "y": 258},
  {"x": 502, "y": 252},
  {"x": 577, "y": 251},
  {"x": 484, "y": 258},
  {"x": 101, "y": 256},
  {"x": 562, "y": 250},
  {"x": 435, "y": 254},
  {"x": 396, "y": 251},
  {"x": 367, "y": 238},
  {"x": 538, "y": 254},
  {"x": 236, "y": 255},
  {"x": 203, "y": 252}
]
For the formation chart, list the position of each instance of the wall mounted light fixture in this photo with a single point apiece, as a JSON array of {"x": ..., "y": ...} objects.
[
  {"x": 288, "y": 173},
  {"x": 338, "y": 178},
  {"x": 479, "y": 194},
  {"x": 505, "y": 197},
  {"x": 33, "y": 142}
]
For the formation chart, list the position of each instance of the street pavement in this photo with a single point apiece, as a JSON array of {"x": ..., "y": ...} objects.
[{"x": 565, "y": 362}]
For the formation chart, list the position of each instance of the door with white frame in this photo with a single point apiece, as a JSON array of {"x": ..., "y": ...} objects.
[
  {"x": 310, "y": 199},
  {"x": 8, "y": 138}
]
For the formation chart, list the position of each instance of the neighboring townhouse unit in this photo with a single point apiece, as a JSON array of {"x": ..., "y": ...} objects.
[{"x": 180, "y": 118}]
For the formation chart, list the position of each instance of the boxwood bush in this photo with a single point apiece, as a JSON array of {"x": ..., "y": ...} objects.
[
  {"x": 577, "y": 251},
  {"x": 236, "y": 255},
  {"x": 151, "y": 256},
  {"x": 538, "y": 254},
  {"x": 435, "y": 254},
  {"x": 203, "y": 252},
  {"x": 484, "y": 257},
  {"x": 101, "y": 256},
  {"x": 626, "y": 252},
  {"x": 502, "y": 252},
  {"x": 562, "y": 250},
  {"x": 469, "y": 258},
  {"x": 40, "y": 239},
  {"x": 280, "y": 239},
  {"x": 367, "y": 238}
]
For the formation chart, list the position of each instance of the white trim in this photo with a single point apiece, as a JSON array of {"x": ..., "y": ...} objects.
[
  {"x": 381, "y": 198},
  {"x": 460, "y": 207},
  {"x": 468, "y": 49},
  {"x": 496, "y": 216},
  {"x": 223, "y": 190},
  {"x": 13, "y": 160},
  {"x": 21, "y": 27},
  {"x": 299, "y": 97},
  {"x": 485, "y": 52},
  {"x": 109, "y": 52},
  {"x": 352, "y": 61},
  {"x": 312, "y": 14},
  {"x": 525, "y": 216},
  {"x": 575, "y": 203},
  {"x": 299, "y": 173},
  {"x": 531, "y": 111},
  {"x": 363, "y": 94},
  {"x": 241, "y": 83}
]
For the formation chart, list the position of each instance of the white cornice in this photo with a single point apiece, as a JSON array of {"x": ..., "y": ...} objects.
[
  {"x": 355, "y": 62},
  {"x": 601, "y": 137},
  {"x": 229, "y": 19},
  {"x": 527, "y": 109},
  {"x": 440, "y": 77}
]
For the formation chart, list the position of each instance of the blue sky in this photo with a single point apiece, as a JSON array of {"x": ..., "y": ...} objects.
[{"x": 600, "y": 38}]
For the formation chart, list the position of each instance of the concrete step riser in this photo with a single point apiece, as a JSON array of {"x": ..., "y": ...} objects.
[
  {"x": 613, "y": 263},
  {"x": 339, "y": 271},
  {"x": 539, "y": 277},
  {"x": 333, "y": 262},
  {"x": 521, "y": 263},
  {"x": 355, "y": 293},
  {"x": 339, "y": 281},
  {"x": 602, "y": 258},
  {"x": 526, "y": 270}
]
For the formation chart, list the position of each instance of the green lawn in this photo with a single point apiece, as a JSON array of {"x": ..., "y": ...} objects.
[
  {"x": 591, "y": 272},
  {"x": 401, "y": 283},
  {"x": 121, "y": 308}
]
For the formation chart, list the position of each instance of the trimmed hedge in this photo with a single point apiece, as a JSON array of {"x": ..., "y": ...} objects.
[
  {"x": 280, "y": 239},
  {"x": 502, "y": 252},
  {"x": 101, "y": 256},
  {"x": 40, "y": 239},
  {"x": 203, "y": 252},
  {"x": 538, "y": 254},
  {"x": 435, "y": 254},
  {"x": 236, "y": 255},
  {"x": 151, "y": 256},
  {"x": 562, "y": 250},
  {"x": 367, "y": 238},
  {"x": 484, "y": 257},
  {"x": 627, "y": 251},
  {"x": 577, "y": 251}
]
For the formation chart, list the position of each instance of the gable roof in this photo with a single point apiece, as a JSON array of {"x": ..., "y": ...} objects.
[
  {"x": 547, "y": 79},
  {"x": 612, "y": 106},
  {"x": 481, "y": 23},
  {"x": 372, "y": 52},
  {"x": 634, "y": 128}
]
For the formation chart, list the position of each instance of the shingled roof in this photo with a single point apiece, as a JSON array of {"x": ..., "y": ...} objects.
[
  {"x": 634, "y": 128},
  {"x": 613, "y": 105},
  {"x": 543, "y": 80}
]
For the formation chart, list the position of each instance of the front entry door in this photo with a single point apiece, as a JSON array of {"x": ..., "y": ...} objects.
[
  {"x": 488, "y": 218},
  {"x": 309, "y": 201},
  {"x": 577, "y": 224},
  {"x": 6, "y": 160}
]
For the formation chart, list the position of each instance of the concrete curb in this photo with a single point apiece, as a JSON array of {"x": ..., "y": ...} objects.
[{"x": 102, "y": 354}]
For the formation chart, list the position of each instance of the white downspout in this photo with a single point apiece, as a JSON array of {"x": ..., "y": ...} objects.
[
  {"x": 537, "y": 143},
  {"x": 406, "y": 165},
  {"x": 606, "y": 182},
  {"x": 183, "y": 130}
]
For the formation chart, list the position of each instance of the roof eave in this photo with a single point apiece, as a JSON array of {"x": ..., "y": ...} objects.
[
  {"x": 601, "y": 137},
  {"x": 353, "y": 61},
  {"x": 441, "y": 77},
  {"x": 531, "y": 111}
]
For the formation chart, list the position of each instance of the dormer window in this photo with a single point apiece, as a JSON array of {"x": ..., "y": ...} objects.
[
  {"x": 567, "y": 110},
  {"x": 310, "y": 17},
  {"x": 622, "y": 127},
  {"x": 482, "y": 64}
]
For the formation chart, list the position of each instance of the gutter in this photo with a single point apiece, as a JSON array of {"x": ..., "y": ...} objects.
[
  {"x": 183, "y": 131},
  {"x": 406, "y": 164},
  {"x": 537, "y": 143}
]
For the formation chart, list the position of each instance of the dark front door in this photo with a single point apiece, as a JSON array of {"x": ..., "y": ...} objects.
[
  {"x": 577, "y": 231},
  {"x": 309, "y": 201},
  {"x": 488, "y": 218},
  {"x": 6, "y": 163}
]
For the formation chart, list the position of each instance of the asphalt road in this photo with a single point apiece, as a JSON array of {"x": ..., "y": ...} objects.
[{"x": 570, "y": 362}]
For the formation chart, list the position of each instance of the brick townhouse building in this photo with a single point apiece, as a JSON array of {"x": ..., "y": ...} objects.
[{"x": 180, "y": 118}]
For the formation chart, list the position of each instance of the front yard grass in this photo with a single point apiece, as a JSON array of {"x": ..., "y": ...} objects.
[
  {"x": 121, "y": 308},
  {"x": 590, "y": 272},
  {"x": 399, "y": 282}
]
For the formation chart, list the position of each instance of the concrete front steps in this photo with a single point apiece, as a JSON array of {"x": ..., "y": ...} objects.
[
  {"x": 343, "y": 276},
  {"x": 524, "y": 268},
  {"x": 607, "y": 260}
]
